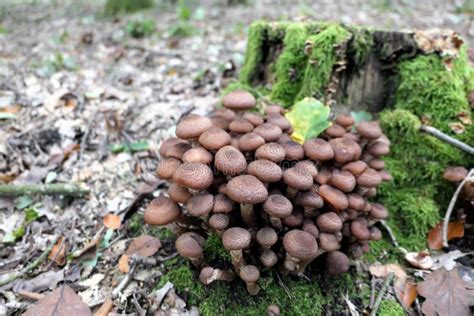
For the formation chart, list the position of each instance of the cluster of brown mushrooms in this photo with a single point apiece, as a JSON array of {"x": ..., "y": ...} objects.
[{"x": 274, "y": 202}]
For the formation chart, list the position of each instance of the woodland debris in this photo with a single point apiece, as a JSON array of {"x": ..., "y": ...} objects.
[{"x": 42, "y": 189}]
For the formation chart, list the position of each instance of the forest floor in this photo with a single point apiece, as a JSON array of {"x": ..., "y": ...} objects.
[{"x": 85, "y": 102}]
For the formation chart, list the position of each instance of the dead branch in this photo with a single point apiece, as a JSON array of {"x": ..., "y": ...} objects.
[
  {"x": 448, "y": 139},
  {"x": 384, "y": 288},
  {"x": 42, "y": 189}
]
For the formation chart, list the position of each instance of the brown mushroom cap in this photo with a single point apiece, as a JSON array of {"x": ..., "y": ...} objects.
[
  {"x": 337, "y": 263},
  {"x": 274, "y": 109},
  {"x": 219, "y": 221},
  {"x": 265, "y": 170},
  {"x": 328, "y": 242},
  {"x": 300, "y": 244},
  {"x": 239, "y": 100},
  {"x": 375, "y": 233},
  {"x": 356, "y": 201},
  {"x": 334, "y": 197},
  {"x": 345, "y": 150},
  {"x": 249, "y": 274},
  {"x": 197, "y": 154},
  {"x": 161, "y": 211},
  {"x": 278, "y": 206},
  {"x": 329, "y": 222},
  {"x": 167, "y": 167},
  {"x": 378, "y": 149},
  {"x": 214, "y": 138},
  {"x": 270, "y": 132},
  {"x": 227, "y": 114},
  {"x": 294, "y": 151},
  {"x": 230, "y": 160},
  {"x": 294, "y": 220},
  {"x": 236, "y": 238},
  {"x": 335, "y": 130},
  {"x": 240, "y": 126},
  {"x": 351, "y": 136},
  {"x": 178, "y": 193},
  {"x": 309, "y": 199},
  {"x": 377, "y": 164},
  {"x": 309, "y": 167},
  {"x": 222, "y": 204},
  {"x": 168, "y": 143},
  {"x": 200, "y": 204},
  {"x": 253, "y": 117},
  {"x": 298, "y": 179},
  {"x": 271, "y": 151},
  {"x": 247, "y": 189},
  {"x": 369, "y": 178},
  {"x": 378, "y": 211},
  {"x": 355, "y": 167},
  {"x": 359, "y": 230},
  {"x": 196, "y": 176},
  {"x": 219, "y": 121},
  {"x": 318, "y": 149},
  {"x": 192, "y": 126},
  {"x": 177, "y": 150},
  {"x": 268, "y": 258},
  {"x": 189, "y": 245},
  {"x": 279, "y": 120},
  {"x": 386, "y": 176},
  {"x": 250, "y": 141},
  {"x": 345, "y": 120},
  {"x": 284, "y": 138},
  {"x": 266, "y": 236},
  {"x": 369, "y": 130},
  {"x": 343, "y": 180},
  {"x": 324, "y": 176},
  {"x": 455, "y": 174},
  {"x": 310, "y": 227}
]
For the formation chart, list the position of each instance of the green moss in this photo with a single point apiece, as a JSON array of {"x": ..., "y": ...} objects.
[
  {"x": 114, "y": 7},
  {"x": 254, "y": 52},
  {"x": 361, "y": 45},
  {"x": 390, "y": 308},
  {"x": 214, "y": 249},
  {"x": 137, "y": 228},
  {"x": 185, "y": 282},
  {"x": 323, "y": 56},
  {"x": 290, "y": 65}
]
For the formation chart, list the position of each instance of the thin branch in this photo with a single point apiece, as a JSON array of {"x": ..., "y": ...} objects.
[
  {"x": 384, "y": 288},
  {"x": 126, "y": 279},
  {"x": 448, "y": 139},
  {"x": 29, "y": 267},
  {"x": 42, "y": 189},
  {"x": 451, "y": 207}
]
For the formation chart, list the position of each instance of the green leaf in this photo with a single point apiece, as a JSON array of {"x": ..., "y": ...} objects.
[
  {"x": 309, "y": 117},
  {"x": 19, "y": 232},
  {"x": 23, "y": 202},
  {"x": 137, "y": 146},
  {"x": 30, "y": 215}
]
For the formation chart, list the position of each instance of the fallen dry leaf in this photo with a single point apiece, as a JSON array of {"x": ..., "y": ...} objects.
[
  {"x": 421, "y": 260},
  {"x": 407, "y": 294},
  {"x": 58, "y": 253},
  {"x": 435, "y": 235},
  {"x": 62, "y": 301},
  {"x": 105, "y": 309},
  {"x": 465, "y": 117},
  {"x": 91, "y": 246},
  {"x": 447, "y": 260},
  {"x": 446, "y": 294},
  {"x": 112, "y": 221},
  {"x": 143, "y": 246},
  {"x": 457, "y": 128},
  {"x": 123, "y": 264},
  {"x": 381, "y": 271}
]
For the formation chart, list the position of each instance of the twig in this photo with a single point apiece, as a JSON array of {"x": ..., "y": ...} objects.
[
  {"x": 384, "y": 288},
  {"x": 42, "y": 189},
  {"x": 392, "y": 236},
  {"x": 31, "y": 295},
  {"x": 283, "y": 285},
  {"x": 126, "y": 279},
  {"x": 29, "y": 267},
  {"x": 451, "y": 207},
  {"x": 448, "y": 139},
  {"x": 105, "y": 309},
  {"x": 372, "y": 292}
]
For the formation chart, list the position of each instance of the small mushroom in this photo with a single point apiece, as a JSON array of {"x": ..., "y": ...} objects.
[
  {"x": 214, "y": 138},
  {"x": 455, "y": 174},
  {"x": 297, "y": 180},
  {"x": 356, "y": 201},
  {"x": 328, "y": 242},
  {"x": 345, "y": 121},
  {"x": 240, "y": 126},
  {"x": 268, "y": 258},
  {"x": 239, "y": 101},
  {"x": 324, "y": 176},
  {"x": 360, "y": 231},
  {"x": 310, "y": 201},
  {"x": 230, "y": 161},
  {"x": 310, "y": 227},
  {"x": 247, "y": 190},
  {"x": 318, "y": 149},
  {"x": 369, "y": 130},
  {"x": 329, "y": 222},
  {"x": 167, "y": 167},
  {"x": 177, "y": 150},
  {"x": 337, "y": 263},
  {"x": 250, "y": 275},
  {"x": 271, "y": 151},
  {"x": 273, "y": 310},
  {"x": 236, "y": 239},
  {"x": 227, "y": 114},
  {"x": 161, "y": 211},
  {"x": 278, "y": 207},
  {"x": 250, "y": 142},
  {"x": 335, "y": 130},
  {"x": 219, "y": 222},
  {"x": 197, "y": 154},
  {"x": 301, "y": 248},
  {"x": 265, "y": 170},
  {"x": 192, "y": 126},
  {"x": 209, "y": 275},
  {"x": 200, "y": 205},
  {"x": 369, "y": 178},
  {"x": 195, "y": 176},
  {"x": 294, "y": 220},
  {"x": 345, "y": 150},
  {"x": 334, "y": 197},
  {"x": 222, "y": 204},
  {"x": 279, "y": 120},
  {"x": 178, "y": 193},
  {"x": 253, "y": 117},
  {"x": 294, "y": 151},
  {"x": 274, "y": 109},
  {"x": 266, "y": 237},
  {"x": 375, "y": 233},
  {"x": 167, "y": 144},
  {"x": 270, "y": 132},
  {"x": 378, "y": 149},
  {"x": 355, "y": 167},
  {"x": 343, "y": 180},
  {"x": 189, "y": 245},
  {"x": 378, "y": 211},
  {"x": 377, "y": 164}
]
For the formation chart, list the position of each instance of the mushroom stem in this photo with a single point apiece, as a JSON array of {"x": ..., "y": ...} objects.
[
  {"x": 197, "y": 261},
  {"x": 209, "y": 275},
  {"x": 248, "y": 214},
  {"x": 276, "y": 222},
  {"x": 290, "y": 263},
  {"x": 252, "y": 288},
  {"x": 237, "y": 259}
]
